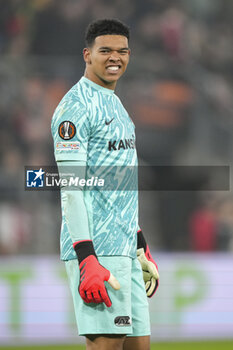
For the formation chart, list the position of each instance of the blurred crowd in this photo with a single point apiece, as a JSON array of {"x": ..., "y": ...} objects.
[{"x": 178, "y": 90}]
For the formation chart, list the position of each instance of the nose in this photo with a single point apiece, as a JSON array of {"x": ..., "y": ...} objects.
[{"x": 114, "y": 57}]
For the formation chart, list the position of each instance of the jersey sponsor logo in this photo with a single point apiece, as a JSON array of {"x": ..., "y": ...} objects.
[
  {"x": 107, "y": 122},
  {"x": 66, "y": 130},
  {"x": 116, "y": 145},
  {"x": 122, "y": 321},
  {"x": 67, "y": 146}
]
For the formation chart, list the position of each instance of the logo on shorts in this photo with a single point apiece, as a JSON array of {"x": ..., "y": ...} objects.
[
  {"x": 122, "y": 321},
  {"x": 66, "y": 130}
]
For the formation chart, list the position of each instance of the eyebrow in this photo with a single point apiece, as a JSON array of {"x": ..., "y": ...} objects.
[{"x": 109, "y": 48}]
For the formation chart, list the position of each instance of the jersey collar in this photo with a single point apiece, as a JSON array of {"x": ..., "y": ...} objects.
[{"x": 96, "y": 86}]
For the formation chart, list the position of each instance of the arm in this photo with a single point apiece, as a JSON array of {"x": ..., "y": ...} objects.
[
  {"x": 71, "y": 122},
  {"x": 92, "y": 274}
]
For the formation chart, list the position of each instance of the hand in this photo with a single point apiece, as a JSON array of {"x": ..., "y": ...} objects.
[
  {"x": 92, "y": 276},
  {"x": 150, "y": 271}
]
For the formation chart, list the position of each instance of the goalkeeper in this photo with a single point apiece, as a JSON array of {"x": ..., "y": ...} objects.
[{"x": 109, "y": 265}]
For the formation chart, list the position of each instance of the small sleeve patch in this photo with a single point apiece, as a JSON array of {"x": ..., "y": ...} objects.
[
  {"x": 67, "y": 146},
  {"x": 66, "y": 130}
]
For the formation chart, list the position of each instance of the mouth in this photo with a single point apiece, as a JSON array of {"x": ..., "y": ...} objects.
[{"x": 113, "y": 68}]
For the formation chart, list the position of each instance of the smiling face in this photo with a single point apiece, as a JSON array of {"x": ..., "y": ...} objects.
[{"x": 106, "y": 60}]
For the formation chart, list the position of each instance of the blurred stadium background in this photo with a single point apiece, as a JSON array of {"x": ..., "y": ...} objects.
[{"x": 178, "y": 90}]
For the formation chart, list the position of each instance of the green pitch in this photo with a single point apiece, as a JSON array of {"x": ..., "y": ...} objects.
[{"x": 204, "y": 345}]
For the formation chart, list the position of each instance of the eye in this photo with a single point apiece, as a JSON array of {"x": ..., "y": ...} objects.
[
  {"x": 104, "y": 50},
  {"x": 123, "y": 52}
]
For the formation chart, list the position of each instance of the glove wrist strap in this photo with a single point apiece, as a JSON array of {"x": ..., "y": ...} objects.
[
  {"x": 83, "y": 249},
  {"x": 141, "y": 242}
]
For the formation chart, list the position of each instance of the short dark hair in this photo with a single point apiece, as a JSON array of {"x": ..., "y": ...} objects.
[{"x": 105, "y": 27}]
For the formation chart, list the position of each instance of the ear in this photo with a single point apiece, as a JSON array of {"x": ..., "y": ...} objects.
[{"x": 87, "y": 55}]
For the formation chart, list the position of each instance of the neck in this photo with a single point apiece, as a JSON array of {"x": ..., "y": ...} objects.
[{"x": 108, "y": 85}]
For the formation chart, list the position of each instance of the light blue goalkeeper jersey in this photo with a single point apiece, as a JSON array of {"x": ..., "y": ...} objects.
[{"x": 91, "y": 127}]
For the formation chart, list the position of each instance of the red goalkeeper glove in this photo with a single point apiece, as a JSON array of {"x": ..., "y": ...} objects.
[
  {"x": 149, "y": 266},
  {"x": 93, "y": 275}
]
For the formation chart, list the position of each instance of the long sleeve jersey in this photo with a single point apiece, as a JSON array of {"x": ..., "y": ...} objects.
[{"x": 92, "y": 130}]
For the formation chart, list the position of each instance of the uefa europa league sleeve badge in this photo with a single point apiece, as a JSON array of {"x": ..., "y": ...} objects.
[{"x": 66, "y": 130}]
